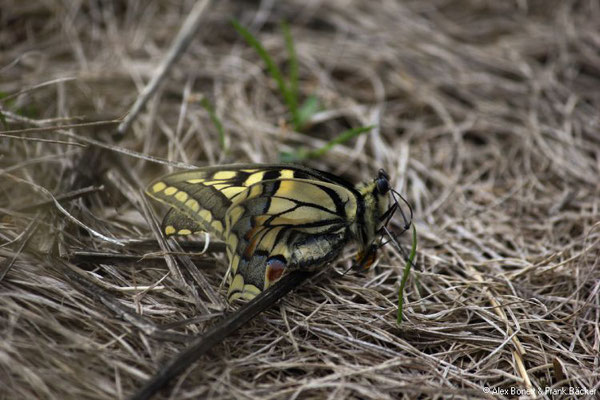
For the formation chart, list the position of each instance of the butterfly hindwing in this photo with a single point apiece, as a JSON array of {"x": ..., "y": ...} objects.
[
  {"x": 177, "y": 223},
  {"x": 189, "y": 196}
]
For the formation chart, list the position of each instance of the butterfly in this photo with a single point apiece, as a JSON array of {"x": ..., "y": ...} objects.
[{"x": 275, "y": 217}]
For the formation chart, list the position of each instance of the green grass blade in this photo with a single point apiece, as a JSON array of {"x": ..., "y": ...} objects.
[
  {"x": 341, "y": 138},
  {"x": 215, "y": 120},
  {"x": 302, "y": 154},
  {"x": 293, "y": 156},
  {"x": 309, "y": 108},
  {"x": 293, "y": 73},
  {"x": 273, "y": 69},
  {"x": 409, "y": 263}
]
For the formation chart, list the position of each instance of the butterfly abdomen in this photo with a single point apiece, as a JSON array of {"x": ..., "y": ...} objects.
[{"x": 315, "y": 251}]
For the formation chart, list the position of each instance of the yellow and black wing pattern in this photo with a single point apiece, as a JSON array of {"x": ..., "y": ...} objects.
[{"x": 272, "y": 217}]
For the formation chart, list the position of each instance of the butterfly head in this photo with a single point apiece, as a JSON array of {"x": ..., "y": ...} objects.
[
  {"x": 378, "y": 212},
  {"x": 376, "y": 195}
]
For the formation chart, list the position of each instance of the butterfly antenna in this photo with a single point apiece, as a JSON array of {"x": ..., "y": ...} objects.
[
  {"x": 407, "y": 221},
  {"x": 407, "y": 224}
]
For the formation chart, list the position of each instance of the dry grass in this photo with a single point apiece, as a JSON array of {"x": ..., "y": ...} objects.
[{"x": 487, "y": 119}]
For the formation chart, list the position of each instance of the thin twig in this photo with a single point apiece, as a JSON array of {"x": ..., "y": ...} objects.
[{"x": 180, "y": 44}]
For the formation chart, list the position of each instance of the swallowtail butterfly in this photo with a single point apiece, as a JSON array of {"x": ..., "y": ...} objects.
[{"x": 275, "y": 217}]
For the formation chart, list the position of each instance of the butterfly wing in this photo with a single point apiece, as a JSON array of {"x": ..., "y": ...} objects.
[
  {"x": 272, "y": 217},
  {"x": 199, "y": 199},
  {"x": 177, "y": 223},
  {"x": 285, "y": 223}
]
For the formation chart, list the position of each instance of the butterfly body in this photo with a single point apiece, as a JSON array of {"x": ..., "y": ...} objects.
[{"x": 273, "y": 217}]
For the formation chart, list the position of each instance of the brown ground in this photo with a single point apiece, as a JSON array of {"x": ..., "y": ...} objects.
[{"x": 486, "y": 117}]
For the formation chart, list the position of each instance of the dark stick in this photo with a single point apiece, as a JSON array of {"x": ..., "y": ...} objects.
[{"x": 219, "y": 332}]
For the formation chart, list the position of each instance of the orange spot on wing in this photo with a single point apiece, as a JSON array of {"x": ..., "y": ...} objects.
[{"x": 275, "y": 269}]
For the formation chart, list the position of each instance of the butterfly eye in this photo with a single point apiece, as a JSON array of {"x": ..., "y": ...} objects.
[{"x": 383, "y": 182}]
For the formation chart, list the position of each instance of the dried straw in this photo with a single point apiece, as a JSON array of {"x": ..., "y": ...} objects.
[{"x": 487, "y": 119}]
